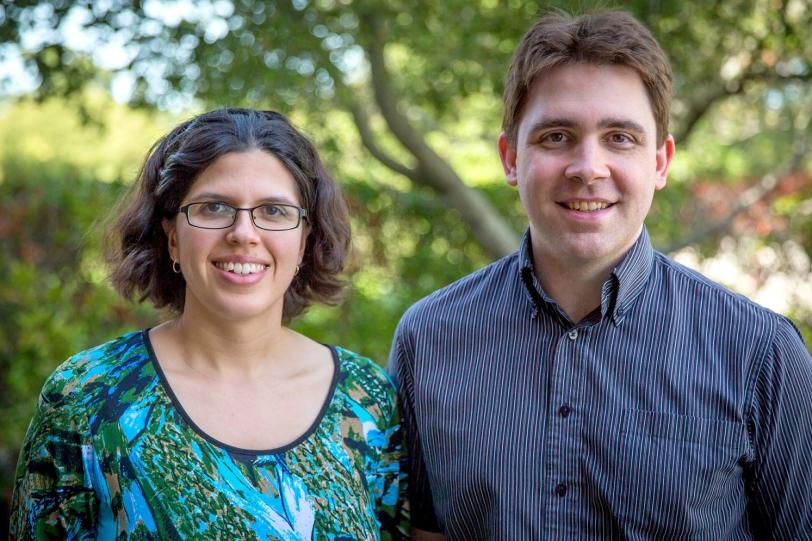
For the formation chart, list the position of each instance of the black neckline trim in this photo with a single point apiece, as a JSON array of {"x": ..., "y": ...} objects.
[{"x": 328, "y": 401}]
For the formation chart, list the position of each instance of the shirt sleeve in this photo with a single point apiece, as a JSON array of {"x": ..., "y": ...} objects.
[
  {"x": 781, "y": 432},
  {"x": 53, "y": 494},
  {"x": 392, "y": 506},
  {"x": 421, "y": 503}
]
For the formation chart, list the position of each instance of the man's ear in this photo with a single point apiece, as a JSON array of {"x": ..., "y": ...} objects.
[
  {"x": 171, "y": 237},
  {"x": 507, "y": 153},
  {"x": 664, "y": 156}
]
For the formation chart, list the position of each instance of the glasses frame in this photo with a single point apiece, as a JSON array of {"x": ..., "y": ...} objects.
[{"x": 301, "y": 214}]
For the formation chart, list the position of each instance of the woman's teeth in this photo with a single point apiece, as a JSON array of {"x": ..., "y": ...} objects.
[{"x": 240, "y": 268}]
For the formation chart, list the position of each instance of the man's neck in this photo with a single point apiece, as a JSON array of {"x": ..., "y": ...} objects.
[
  {"x": 575, "y": 287},
  {"x": 576, "y": 293}
]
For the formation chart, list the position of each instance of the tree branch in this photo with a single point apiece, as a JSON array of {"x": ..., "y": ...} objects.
[
  {"x": 487, "y": 225},
  {"x": 752, "y": 195},
  {"x": 361, "y": 120},
  {"x": 722, "y": 90},
  {"x": 704, "y": 104}
]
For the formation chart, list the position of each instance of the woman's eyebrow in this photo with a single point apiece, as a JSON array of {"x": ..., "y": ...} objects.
[
  {"x": 214, "y": 196},
  {"x": 282, "y": 199}
]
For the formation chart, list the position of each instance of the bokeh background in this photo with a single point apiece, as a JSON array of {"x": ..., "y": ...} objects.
[{"x": 402, "y": 97}]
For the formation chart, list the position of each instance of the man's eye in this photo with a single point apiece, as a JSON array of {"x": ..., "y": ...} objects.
[
  {"x": 621, "y": 138},
  {"x": 555, "y": 139}
]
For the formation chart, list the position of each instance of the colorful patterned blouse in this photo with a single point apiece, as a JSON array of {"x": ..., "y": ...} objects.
[{"x": 110, "y": 454}]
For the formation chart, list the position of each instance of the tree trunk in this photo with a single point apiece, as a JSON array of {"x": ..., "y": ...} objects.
[{"x": 487, "y": 225}]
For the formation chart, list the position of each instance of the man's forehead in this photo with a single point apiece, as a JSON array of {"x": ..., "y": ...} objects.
[{"x": 581, "y": 95}]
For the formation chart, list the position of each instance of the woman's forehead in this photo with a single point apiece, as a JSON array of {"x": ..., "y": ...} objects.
[{"x": 254, "y": 174}]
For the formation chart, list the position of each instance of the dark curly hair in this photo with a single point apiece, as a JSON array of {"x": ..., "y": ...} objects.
[{"x": 136, "y": 246}]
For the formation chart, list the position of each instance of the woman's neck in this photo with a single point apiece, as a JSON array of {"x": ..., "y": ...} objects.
[{"x": 241, "y": 348}]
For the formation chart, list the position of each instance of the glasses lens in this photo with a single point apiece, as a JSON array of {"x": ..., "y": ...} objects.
[
  {"x": 276, "y": 217},
  {"x": 211, "y": 215}
]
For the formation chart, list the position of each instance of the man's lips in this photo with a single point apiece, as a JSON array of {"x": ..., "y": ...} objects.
[{"x": 586, "y": 205}]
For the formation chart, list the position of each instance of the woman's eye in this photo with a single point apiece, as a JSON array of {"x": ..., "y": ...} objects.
[
  {"x": 215, "y": 208},
  {"x": 272, "y": 211}
]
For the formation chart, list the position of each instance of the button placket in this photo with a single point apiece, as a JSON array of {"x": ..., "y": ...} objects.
[{"x": 563, "y": 428}]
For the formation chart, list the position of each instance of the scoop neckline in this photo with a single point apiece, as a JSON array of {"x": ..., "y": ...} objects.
[{"x": 176, "y": 403}]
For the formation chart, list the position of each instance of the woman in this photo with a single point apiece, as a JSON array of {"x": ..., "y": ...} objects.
[{"x": 221, "y": 423}]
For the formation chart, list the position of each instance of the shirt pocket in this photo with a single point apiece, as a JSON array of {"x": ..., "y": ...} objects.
[{"x": 678, "y": 475}]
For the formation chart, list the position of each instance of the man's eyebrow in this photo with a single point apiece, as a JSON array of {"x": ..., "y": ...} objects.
[
  {"x": 621, "y": 124},
  {"x": 547, "y": 123}
]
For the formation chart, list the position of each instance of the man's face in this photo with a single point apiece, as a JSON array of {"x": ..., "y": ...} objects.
[{"x": 586, "y": 163}]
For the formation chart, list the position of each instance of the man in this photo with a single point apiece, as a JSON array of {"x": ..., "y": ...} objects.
[{"x": 588, "y": 387}]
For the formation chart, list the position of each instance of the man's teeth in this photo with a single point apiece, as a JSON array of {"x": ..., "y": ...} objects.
[
  {"x": 240, "y": 268},
  {"x": 587, "y": 206}
]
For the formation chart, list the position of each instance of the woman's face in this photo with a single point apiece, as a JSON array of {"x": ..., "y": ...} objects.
[{"x": 240, "y": 272}]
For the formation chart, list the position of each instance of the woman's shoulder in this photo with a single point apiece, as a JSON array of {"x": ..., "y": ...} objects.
[
  {"x": 362, "y": 368},
  {"x": 366, "y": 382},
  {"x": 85, "y": 374}
]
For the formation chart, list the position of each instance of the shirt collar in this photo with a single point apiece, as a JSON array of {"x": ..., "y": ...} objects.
[
  {"x": 535, "y": 294},
  {"x": 631, "y": 275},
  {"x": 619, "y": 291}
]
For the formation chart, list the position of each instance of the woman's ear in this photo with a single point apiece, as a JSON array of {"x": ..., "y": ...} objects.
[
  {"x": 171, "y": 237},
  {"x": 303, "y": 246}
]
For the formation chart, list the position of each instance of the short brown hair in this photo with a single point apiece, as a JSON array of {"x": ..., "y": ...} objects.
[
  {"x": 603, "y": 38},
  {"x": 137, "y": 245}
]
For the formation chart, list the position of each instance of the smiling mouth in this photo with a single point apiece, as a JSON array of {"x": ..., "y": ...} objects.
[
  {"x": 240, "y": 268},
  {"x": 586, "y": 206}
]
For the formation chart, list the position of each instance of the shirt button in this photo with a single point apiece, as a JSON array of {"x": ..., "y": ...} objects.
[
  {"x": 573, "y": 334},
  {"x": 565, "y": 410},
  {"x": 560, "y": 490}
]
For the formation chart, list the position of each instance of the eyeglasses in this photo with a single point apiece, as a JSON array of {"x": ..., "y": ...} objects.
[{"x": 219, "y": 215}]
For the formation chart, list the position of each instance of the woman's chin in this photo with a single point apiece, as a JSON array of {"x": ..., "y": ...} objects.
[{"x": 242, "y": 310}]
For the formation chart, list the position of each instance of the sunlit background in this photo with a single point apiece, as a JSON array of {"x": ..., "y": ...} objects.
[{"x": 403, "y": 100}]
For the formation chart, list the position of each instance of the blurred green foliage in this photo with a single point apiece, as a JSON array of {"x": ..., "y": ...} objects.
[
  {"x": 54, "y": 188},
  {"x": 741, "y": 115}
]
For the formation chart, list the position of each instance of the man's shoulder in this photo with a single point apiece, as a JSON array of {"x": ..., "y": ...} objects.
[
  {"x": 691, "y": 286},
  {"x": 468, "y": 292}
]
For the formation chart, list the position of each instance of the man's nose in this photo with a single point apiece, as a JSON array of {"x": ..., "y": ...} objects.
[{"x": 589, "y": 162}]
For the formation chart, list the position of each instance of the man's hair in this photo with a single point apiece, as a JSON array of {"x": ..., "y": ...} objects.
[
  {"x": 603, "y": 38},
  {"x": 137, "y": 248}
]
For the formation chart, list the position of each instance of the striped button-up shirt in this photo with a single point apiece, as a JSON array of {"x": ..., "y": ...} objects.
[{"x": 676, "y": 410}]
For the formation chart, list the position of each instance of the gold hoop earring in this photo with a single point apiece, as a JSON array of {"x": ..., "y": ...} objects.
[
  {"x": 175, "y": 267},
  {"x": 297, "y": 270}
]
